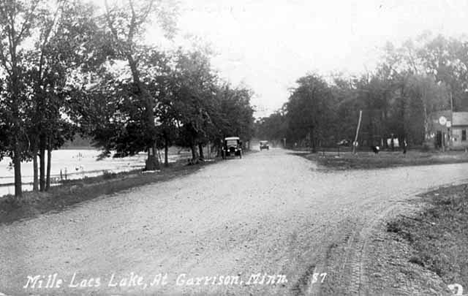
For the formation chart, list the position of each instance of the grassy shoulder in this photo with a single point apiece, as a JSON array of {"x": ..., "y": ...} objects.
[
  {"x": 438, "y": 235},
  {"x": 346, "y": 160},
  {"x": 32, "y": 204}
]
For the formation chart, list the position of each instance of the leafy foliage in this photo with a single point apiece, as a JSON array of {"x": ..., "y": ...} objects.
[{"x": 413, "y": 81}]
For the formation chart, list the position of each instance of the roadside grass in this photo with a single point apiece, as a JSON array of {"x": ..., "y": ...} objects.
[
  {"x": 71, "y": 192},
  {"x": 384, "y": 159},
  {"x": 439, "y": 234}
]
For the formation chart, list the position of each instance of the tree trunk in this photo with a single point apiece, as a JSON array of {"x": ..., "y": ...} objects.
[
  {"x": 312, "y": 140},
  {"x": 17, "y": 168},
  {"x": 193, "y": 148},
  {"x": 194, "y": 152},
  {"x": 16, "y": 129},
  {"x": 35, "y": 172},
  {"x": 152, "y": 163},
  {"x": 200, "y": 149},
  {"x": 49, "y": 163},
  {"x": 426, "y": 123},
  {"x": 166, "y": 151},
  {"x": 35, "y": 150},
  {"x": 42, "y": 147}
]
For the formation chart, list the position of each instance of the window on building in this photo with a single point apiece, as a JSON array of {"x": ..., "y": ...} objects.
[{"x": 463, "y": 135}]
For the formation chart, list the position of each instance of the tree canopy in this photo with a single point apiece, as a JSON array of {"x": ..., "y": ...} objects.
[{"x": 423, "y": 75}]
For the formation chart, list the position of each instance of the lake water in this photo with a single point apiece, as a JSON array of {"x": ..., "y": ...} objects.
[{"x": 75, "y": 164}]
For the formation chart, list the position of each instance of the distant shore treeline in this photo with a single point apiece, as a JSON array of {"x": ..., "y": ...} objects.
[{"x": 78, "y": 142}]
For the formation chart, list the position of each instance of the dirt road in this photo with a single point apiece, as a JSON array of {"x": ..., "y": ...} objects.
[{"x": 269, "y": 223}]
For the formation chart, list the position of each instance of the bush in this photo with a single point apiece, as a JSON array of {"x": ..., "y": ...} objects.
[
  {"x": 108, "y": 175},
  {"x": 426, "y": 147},
  {"x": 11, "y": 200}
]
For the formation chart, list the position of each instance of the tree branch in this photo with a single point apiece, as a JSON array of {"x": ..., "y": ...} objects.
[
  {"x": 25, "y": 24},
  {"x": 133, "y": 24},
  {"x": 110, "y": 21}
]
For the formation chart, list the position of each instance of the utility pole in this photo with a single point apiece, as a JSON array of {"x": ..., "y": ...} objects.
[
  {"x": 449, "y": 128},
  {"x": 451, "y": 101},
  {"x": 357, "y": 132}
]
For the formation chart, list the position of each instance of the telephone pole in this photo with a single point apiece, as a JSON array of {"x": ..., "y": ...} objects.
[{"x": 357, "y": 132}]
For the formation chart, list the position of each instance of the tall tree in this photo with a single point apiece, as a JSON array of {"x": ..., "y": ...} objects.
[
  {"x": 424, "y": 96},
  {"x": 16, "y": 20},
  {"x": 63, "y": 49},
  {"x": 235, "y": 112},
  {"x": 309, "y": 112},
  {"x": 126, "y": 24},
  {"x": 193, "y": 89},
  {"x": 347, "y": 107}
]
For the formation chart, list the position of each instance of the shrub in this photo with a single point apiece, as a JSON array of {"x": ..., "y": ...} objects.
[{"x": 108, "y": 175}]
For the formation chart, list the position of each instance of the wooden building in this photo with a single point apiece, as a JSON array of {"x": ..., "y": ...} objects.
[{"x": 448, "y": 129}]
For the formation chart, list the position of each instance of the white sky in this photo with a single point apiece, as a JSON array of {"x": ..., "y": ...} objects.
[{"x": 268, "y": 44}]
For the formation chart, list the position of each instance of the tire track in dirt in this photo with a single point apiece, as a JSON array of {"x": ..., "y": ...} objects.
[{"x": 353, "y": 278}]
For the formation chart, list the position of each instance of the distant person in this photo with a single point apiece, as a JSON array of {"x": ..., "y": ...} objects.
[{"x": 404, "y": 146}]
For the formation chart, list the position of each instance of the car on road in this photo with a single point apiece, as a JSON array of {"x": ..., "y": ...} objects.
[
  {"x": 264, "y": 145},
  {"x": 344, "y": 142},
  {"x": 232, "y": 146}
]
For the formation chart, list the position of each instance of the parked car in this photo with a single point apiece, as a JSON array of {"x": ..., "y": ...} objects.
[
  {"x": 232, "y": 146},
  {"x": 344, "y": 142},
  {"x": 264, "y": 145}
]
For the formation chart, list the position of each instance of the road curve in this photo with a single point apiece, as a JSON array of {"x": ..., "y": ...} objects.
[{"x": 260, "y": 225}]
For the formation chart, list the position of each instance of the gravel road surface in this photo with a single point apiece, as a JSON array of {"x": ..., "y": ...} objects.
[{"x": 265, "y": 224}]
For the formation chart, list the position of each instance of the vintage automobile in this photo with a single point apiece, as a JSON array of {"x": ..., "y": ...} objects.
[
  {"x": 343, "y": 142},
  {"x": 264, "y": 145},
  {"x": 232, "y": 146}
]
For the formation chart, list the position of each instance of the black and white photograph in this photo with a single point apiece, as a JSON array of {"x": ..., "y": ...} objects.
[{"x": 233, "y": 147}]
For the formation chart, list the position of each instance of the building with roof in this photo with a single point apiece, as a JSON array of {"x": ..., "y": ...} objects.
[
  {"x": 458, "y": 128},
  {"x": 448, "y": 129}
]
